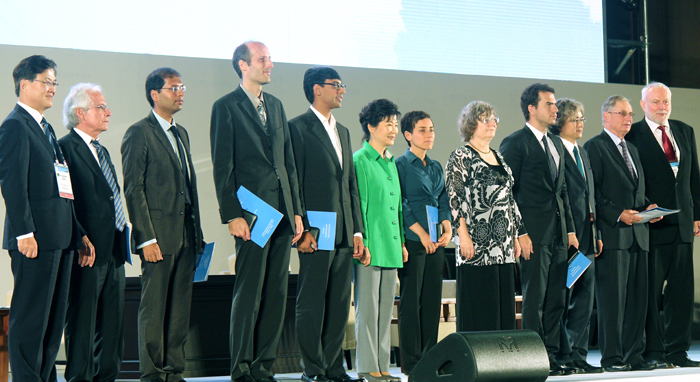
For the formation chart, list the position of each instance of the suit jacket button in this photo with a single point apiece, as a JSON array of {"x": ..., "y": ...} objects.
[
  {"x": 182, "y": 192},
  {"x": 181, "y": 213},
  {"x": 111, "y": 197}
]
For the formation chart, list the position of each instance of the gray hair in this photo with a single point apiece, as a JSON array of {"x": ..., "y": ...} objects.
[
  {"x": 567, "y": 112},
  {"x": 78, "y": 98},
  {"x": 610, "y": 103},
  {"x": 654, "y": 85},
  {"x": 469, "y": 118}
]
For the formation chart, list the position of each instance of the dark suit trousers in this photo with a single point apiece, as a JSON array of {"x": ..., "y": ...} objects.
[
  {"x": 323, "y": 304},
  {"x": 544, "y": 292},
  {"x": 259, "y": 302},
  {"x": 670, "y": 336},
  {"x": 419, "y": 309},
  {"x": 95, "y": 319},
  {"x": 576, "y": 319},
  {"x": 164, "y": 312},
  {"x": 621, "y": 294},
  {"x": 38, "y": 313},
  {"x": 485, "y": 297}
]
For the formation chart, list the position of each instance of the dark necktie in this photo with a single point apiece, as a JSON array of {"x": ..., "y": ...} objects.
[
  {"x": 183, "y": 162},
  {"x": 578, "y": 161},
  {"x": 668, "y": 147},
  {"x": 626, "y": 155},
  {"x": 51, "y": 136},
  {"x": 550, "y": 158},
  {"x": 119, "y": 218},
  {"x": 261, "y": 113}
]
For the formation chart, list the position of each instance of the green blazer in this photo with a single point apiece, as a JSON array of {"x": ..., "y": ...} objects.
[{"x": 380, "y": 200}]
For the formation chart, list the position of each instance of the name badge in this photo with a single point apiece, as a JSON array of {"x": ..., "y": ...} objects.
[{"x": 65, "y": 189}]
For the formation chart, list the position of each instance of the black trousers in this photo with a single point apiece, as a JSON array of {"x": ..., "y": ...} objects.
[
  {"x": 485, "y": 297},
  {"x": 419, "y": 309},
  {"x": 95, "y": 319},
  {"x": 259, "y": 302},
  {"x": 621, "y": 293},
  {"x": 671, "y": 264},
  {"x": 164, "y": 312},
  {"x": 576, "y": 321},
  {"x": 38, "y": 313},
  {"x": 323, "y": 305}
]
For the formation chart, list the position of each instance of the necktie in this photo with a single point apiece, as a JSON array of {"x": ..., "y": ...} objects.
[
  {"x": 51, "y": 136},
  {"x": 261, "y": 113},
  {"x": 119, "y": 218},
  {"x": 183, "y": 162},
  {"x": 578, "y": 161},
  {"x": 626, "y": 155},
  {"x": 668, "y": 147},
  {"x": 550, "y": 158}
]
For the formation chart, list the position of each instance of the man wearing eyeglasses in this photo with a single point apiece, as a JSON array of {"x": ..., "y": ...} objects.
[
  {"x": 94, "y": 322},
  {"x": 251, "y": 147},
  {"x": 160, "y": 188},
  {"x": 621, "y": 268},
  {"x": 327, "y": 183},
  {"x": 40, "y": 232},
  {"x": 670, "y": 161}
]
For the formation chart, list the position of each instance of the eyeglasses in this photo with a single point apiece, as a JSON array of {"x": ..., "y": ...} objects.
[
  {"x": 336, "y": 85},
  {"x": 48, "y": 84},
  {"x": 102, "y": 107},
  {"x": 579, "y": 120},
  {"x": 486, "y": 121},
  {"x": 176, "y": 89},
  {"x": 623, "y": 114}
]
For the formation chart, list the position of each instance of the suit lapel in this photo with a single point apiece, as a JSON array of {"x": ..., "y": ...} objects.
[
  {"x": 245, "y": 104},
  {"x": 617, "y": 156},
  {"x": 35, "y": 128},
  {"x": 82, "y": 151},
  {"x": 321, "y": 134},
  {"x": 162, "y": 138},
  {"x": 537, "y": 150},
  {"x": 680, "y": 144}
]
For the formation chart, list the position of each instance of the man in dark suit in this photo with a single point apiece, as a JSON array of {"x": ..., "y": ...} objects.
[
  {"x": 160, "y": 187},
  {"x": 579, "y": 184},
  {"x": 670, "y": 162},
  {"x": 535, "y": 155},
  {"x": 621, "y": 269},
  {"x": 40, "y": 229},
  {"x": 251, "y": 147},
  {"x": 94, "y": 322},
  {"x": 327, "y": 182}
]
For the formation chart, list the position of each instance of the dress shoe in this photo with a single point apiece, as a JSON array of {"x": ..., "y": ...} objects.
[
  {"x": 685, "y": 362},
  {"x": 370, "y": 378},
  {"x": 660, "y": 363},
  {"x": 617, "y": 366},
  {"x": 587, "y": 367},
  {"x": 572, "y": 368},
  {"x": 557, "y": 369},
  {"x": 313, "y": 378},
  {"x": 643, "y": 366},
  {"x": 346, "y": 378}
]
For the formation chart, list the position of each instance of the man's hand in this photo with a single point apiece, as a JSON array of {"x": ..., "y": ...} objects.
[
  {"x": 366, "y": 258},
  {"x": 525, "y": 246},
  {"x": 307, "y": 243},
  {"x": 427, "y": 244},
  {"x": 404, "y": 252},
  {"x": 358, "y": 247},
  {"x": 600, "y": 248},
  {"x": 654, "y": 220},
  {"x": 28, "y": 247},
  {"x": 573, "y": 240},
  {"x": 630, "y": 217},
  {"x": 152, "y": 254},
  {"x": 238, "y": 227},
  {"x": 299, "y": 225},
  {"x": 696, "y": 225},
  {"x": 86, "y": 254}
]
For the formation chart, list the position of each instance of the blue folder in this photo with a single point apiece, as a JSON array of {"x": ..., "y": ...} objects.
[
  {"x": 268, "y": 217},
  {"x": 432, "y": 222},
  {"x": 577, "y": 265},
  {"x": 201, "y": 272},
  {"x": 326, "y": 224}
]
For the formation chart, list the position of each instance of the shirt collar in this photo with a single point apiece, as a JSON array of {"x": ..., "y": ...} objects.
[
  {"x": 33, "y": 112},
  {"x": 569, "y": 145},
  {"x": 374, "y": 154},
  {"x": 88, "y": 139},
  {"x": 165, "y": 125},
  {"x": 614, "y": 137},
  {"x": 538, "y": 134},
  {"x": 653, "y": 125},
  {"x": 413, "y": 157},
  {"x": 252, "y": 97},
  {"x": 329, "y": 122}
]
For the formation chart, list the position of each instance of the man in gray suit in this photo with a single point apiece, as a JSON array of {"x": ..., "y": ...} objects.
[
  {"x": 160, "y": 188},
  {"x": 251, "y": 147}
]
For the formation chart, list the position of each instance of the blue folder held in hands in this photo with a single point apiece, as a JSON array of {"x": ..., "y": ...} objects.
[{"x": 267, "y": 217}]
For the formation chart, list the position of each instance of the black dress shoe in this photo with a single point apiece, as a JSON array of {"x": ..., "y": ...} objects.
[
  {"x": 617, "y": 366},
  {"x": 571, "y": 368},
  {"x": 685, "y": 362},
  {"x": 660, "y": 363},
  {"x": 643, "y": 366},
  {"x": 313, "y": 378},
  {"x": 346, "y": 378},
  {"x": 587, "y": 367},
  {"x": 557, "y": 369}
]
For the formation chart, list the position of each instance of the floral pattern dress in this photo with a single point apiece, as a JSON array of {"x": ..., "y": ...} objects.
[{"x": 482, "y": 194}]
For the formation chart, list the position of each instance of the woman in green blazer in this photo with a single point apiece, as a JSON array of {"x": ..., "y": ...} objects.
[{"x": 380, "y": 200}]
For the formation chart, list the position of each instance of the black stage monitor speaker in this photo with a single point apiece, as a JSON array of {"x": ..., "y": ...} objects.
[{"x": 509, "y": 355}]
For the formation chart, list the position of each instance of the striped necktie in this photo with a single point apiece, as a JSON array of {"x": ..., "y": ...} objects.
[{"x": 119, "y": 218}]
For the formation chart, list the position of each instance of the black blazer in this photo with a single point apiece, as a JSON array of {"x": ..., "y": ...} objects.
[
  {"x": 540, "y": 199},
  {"x": 681, "y": 192},
  {"x": 94, "y": 202},
  {"x": 323, "y": 184},
  {"x": 582, "y": 201},
  {"x": 616, "y": 191},
  {"x": 244, "y": 155},
  {"x": 154, "y": 187},
  {"x": 28, "y": 182}
]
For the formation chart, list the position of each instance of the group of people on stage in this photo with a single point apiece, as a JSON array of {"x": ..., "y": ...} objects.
[{"x": 532, "y": 199}]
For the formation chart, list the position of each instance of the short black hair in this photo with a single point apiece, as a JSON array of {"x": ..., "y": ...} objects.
[
  {"x": 375, "y": 112},
  {"x": 408, "y": 122},
  {"x": 317, "y": 75},
  {"x": 242, "y": 52},
  {"x": 531, "y": 96},
  {"x": 156, "y": 80},
  {"x": 28, "y": 69}
]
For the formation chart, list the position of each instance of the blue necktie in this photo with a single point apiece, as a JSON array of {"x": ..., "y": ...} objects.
[{"x": 120, "y": 219}]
